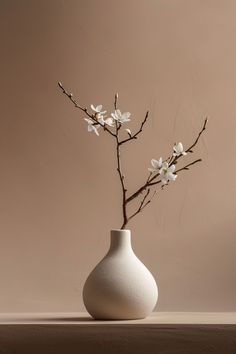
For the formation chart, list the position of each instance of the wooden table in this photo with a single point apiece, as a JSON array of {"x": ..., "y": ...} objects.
[{"x": 77, "y": 333}]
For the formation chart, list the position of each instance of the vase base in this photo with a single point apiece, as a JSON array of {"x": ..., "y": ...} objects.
[{"x": 119, "y": 319}]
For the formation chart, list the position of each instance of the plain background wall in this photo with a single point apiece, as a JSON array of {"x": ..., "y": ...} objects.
[{"x": 59, "y": 190}]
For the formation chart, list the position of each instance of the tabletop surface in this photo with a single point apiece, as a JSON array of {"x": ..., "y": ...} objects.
[{"x": 82, "y": 318}]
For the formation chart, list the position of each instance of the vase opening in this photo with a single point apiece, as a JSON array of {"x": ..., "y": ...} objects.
[{"x": 120, "y": 240}]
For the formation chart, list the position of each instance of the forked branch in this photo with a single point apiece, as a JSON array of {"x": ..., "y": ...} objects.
[
  {"x": 154, "y": 178},
  {"x": 131, "y": 137}
]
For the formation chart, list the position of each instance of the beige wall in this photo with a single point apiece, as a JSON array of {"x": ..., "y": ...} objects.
[{"x": 59, "y": 192}]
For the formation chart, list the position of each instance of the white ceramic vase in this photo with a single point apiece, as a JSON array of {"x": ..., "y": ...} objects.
[{"x": 120, "y": 287}]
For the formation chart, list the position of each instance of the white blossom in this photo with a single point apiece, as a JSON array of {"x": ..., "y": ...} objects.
[
  {"x": 121, "y": 117},
  {"x": 179, "y": 150},
  {"x": 156, "y": 165},
  {"x": 128, "y": 131},
  {"x": 97, "y": 109},
  {"x": 108, "y": 121},
  {"x": 167, "y": 173},
  {"x": 101, "y": 119},
  {"x": 91, "y": 126}
]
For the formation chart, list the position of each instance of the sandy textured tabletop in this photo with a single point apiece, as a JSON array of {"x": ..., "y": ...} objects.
[
  {"x": 161, "y": 333},
  {"x": 156, "y": 318}
]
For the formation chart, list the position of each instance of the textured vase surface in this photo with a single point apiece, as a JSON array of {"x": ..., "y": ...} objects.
[{"x": 120, "y": 287}]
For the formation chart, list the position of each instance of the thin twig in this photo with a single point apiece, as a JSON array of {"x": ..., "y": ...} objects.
[
  {"x": 118, "y": 124},
  {"x": 198, "y": 137},
  {"x": 142, "y": 204},
  {"x": 187, "y": 166},
  {"x": 84, "y": 109},
  {"x": 131, "y": 137},
  {"x": 116, "y": 100},
  {"x": 174, "y": 159},
  {"x": 144, "y": 198}
]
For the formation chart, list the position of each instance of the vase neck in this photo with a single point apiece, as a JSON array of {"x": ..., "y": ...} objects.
[{"x": 120, "y": 240}]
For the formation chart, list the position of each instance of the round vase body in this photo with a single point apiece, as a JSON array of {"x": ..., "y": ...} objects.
[{"x": 120, "y": 287}]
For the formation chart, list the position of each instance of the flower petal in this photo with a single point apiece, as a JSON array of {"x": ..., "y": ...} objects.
[
  {"x": 89, "y": 121},
  {"x": 118, "y": 113},
  {"x": 165, "y": 165},
  {"x": 154, "y": 163},
  {"x": 99, "y": 108},
  {"x": 162, "y": 174},
  {"x": 95, "y": 129},
  {"x": 126, "y": 115},
  {"x": 101, "y": 120},
  {"x": 170, "y": 176},
  {"x": 180, "y": 147},
  {"x": 110, "y": 122},
  {"x": 151, "y": 169}
]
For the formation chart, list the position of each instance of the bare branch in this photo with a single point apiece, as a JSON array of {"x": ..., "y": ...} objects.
[
  {"x": 173, "y": 160},
  {"x": 149, "y": 201},
  {"x": 154, "y": 183},
  {"x": 131, "y": 137},
  {"x": 143, "y": 200},
  {"x": 187, "y": 166},
  {"x": 143, "y": 204},
  {"x": 116, "y": 100},
  {"x": 198, "y": 137},
  {"x": 118, "y": 124},
  {"x": 141, "y": 189}
]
